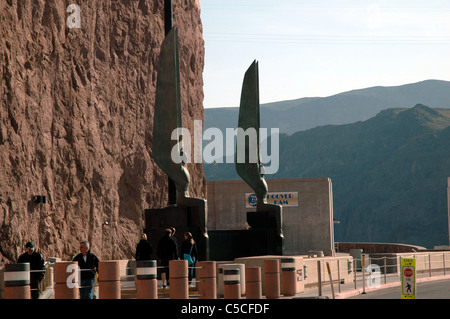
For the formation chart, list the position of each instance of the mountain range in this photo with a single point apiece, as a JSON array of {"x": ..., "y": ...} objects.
[
  {"x": 347, "y": 107},
  {"x": 389, "y": 172}
]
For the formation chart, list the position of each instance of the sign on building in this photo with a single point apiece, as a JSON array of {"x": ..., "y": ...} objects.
[
  {"x": 285, "y": 199},
  {"x": 408, "y": 275}
]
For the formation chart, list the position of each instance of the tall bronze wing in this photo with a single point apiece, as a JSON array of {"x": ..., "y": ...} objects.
[
  {"x": 248, "y": 125},
  {"x": 168, "y": 113}
]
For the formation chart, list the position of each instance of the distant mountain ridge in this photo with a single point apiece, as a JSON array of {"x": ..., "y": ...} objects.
[
  {"x": 343, "y": 108},
  {"x": 389, "y": 173}
]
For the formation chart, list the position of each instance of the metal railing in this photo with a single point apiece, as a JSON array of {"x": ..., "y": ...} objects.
[{"x": 373, "y": 271}]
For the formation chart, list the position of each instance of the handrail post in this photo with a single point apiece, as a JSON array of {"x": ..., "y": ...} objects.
[
  {"x": 331, "y": 279},
  {"x": 429, "y": 264},
  {"x": 319, "y": 278},
  {"x": 339, "y": 276},
  {"x": 443, "y": 262},
  {"x": 363, "y": 275}
]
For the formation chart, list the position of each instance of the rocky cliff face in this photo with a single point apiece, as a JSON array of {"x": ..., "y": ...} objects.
[{"x": 76, "y": 121}]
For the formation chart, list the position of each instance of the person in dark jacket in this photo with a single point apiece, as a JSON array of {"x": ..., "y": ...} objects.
[
  {"x": 88, "y": 263},
  {"x": 144, "y": 249},
  {"x": 37, "y": 267},
  {"x": 189, "y": 248},
  {"x": 166, "y": 251},
  {"x": 172, "y": 235}
]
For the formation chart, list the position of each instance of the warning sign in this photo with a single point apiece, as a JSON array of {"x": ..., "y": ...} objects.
[{"x": 408, "y": 271}]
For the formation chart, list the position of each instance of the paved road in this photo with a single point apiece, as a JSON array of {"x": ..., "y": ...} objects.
[{"x": 439, "y": 289}]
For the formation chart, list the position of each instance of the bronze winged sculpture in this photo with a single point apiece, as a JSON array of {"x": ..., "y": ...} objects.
[
  {"x": 168, "y": 119},
  {"x": 248, "y": 160}
]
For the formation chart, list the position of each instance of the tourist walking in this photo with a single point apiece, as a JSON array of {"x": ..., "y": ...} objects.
[
  {"x": 88, "y": 263},
  {"x": 144, "y": 249},
  {"x": 166, "y": 251},
  {"x": 189, "y": 253},
  {"x": 37, "y": 268}
]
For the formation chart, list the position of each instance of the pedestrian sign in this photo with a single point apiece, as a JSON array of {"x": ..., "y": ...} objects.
[{"x": 408, "y": 275}]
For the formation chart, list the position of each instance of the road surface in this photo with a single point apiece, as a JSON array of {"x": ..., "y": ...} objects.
[{"x": 439, "y": 289}]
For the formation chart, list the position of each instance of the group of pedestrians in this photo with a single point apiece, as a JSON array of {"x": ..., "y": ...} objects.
[
  {"x": 88, "y": 262},
  {"x": 167, "y": 250}
]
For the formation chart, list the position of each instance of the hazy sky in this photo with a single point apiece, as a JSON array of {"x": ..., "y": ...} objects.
[{"x": 311, "y": 48}]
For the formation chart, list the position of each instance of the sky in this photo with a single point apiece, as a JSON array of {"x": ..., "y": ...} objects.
[{"x": 318, "y": 48}]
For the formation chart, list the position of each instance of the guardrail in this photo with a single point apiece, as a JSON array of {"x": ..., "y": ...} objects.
[{"x": 372, "y": 270}]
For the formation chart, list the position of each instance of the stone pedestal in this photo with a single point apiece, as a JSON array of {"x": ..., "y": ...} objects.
[{"x": 185, "y": 219}]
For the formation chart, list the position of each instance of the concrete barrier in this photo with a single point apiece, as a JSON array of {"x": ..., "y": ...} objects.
[
  {"x": 109, "y": 279},
  {"x": 253, "y": 282},
  {"x": 207, "y": 286},
  {"x": 341, "y": 267},
  {"x": 258, "y": 261},
  {"x": 179, "y": 281},
  {"x": 220, "y": 270},
  {"x": 2, "y": 282},
  {"x": 272, "y": 278},
  {"x": 66, "y": 280},
  {"x": 231, "y": 284},
  {"x": 288, "y": 276},
  {"x": 17, "y": 281},
  {"x": 146, "y": 282}
]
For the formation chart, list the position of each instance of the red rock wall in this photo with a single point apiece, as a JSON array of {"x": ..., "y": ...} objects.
[{"x": 76, "y": 121}]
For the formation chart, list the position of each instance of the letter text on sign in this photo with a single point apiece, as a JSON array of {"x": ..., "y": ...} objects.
[
  {"x": 74, "y": 19},
  {"x": 72, "y": 281}
]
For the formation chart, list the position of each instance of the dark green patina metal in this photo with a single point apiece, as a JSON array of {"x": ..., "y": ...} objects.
[
  {"x": 185, "y": 213},
  {"x": 249, "y": 119},
  {"x": 250, "y": 170},
  {"x": 168, "y": 113},
  {"x": 168, "y": 118}
]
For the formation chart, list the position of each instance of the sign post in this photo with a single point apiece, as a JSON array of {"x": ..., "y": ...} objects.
[
  {"x": 408, "y": 275},
  {"x": 363, "y": 269}
]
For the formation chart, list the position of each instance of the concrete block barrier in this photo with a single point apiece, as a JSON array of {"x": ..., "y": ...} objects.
[
  {"x": 207, "y": 286},
  {"x": 109, "y": 279},
  {"x": 272, "y": 278},
  {"x": 231, "y": 284},
  {"x": 288, "y": 277},
  {"x": 146, "y": 281},
  {"x": 253, "y": 282},
  {"x": 17, "y": 281},
  {"x": 179, "y": 281},
  {"x": 66, "y": 280}
]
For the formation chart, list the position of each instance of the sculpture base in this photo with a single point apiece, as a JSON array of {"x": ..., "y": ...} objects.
[
  {"x": 267, "y": 224},
  {"x": 185, "y": 219},
  {"x": 263, "y": 238}
]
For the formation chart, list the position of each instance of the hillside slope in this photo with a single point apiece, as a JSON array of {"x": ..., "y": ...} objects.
[
  {"x": 389, "y": 173},
  {"x": 347, "y": 107}
]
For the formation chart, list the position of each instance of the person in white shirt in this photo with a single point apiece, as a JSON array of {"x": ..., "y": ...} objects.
[{"x": 88, "y": 263}]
